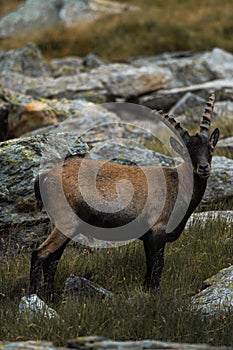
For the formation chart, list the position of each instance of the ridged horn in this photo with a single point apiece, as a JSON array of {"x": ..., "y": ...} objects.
[
  {"x": 206, "y": 118},
  {"x": 176, "y": 125}
]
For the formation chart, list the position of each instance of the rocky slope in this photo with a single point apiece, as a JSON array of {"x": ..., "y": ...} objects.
[
  {"x": 37, "y": 14},
  {"x": 51, "y": 110}
]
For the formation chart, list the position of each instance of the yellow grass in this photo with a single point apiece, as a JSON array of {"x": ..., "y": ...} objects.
[{"x": 159, "y": 26}]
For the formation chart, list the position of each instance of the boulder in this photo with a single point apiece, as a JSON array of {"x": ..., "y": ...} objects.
[
  {"x": 101, "y": 343},
  {"x": 226, "y": 146},
  {"x": 27, "y": 61},
  {"x": 20, "y": 161},
  {"x": 220, "y": 183},
  {"x": 30, "y": 17},
  {"x": 202, "y": 218},
  {"x": 65, "y": 66},
  {"x": 81, "y": 288},
  {"x": 216, "y": 298},
  {"x": 220, "y": 62},
  {"x": 191, "y": 69},
  {"x": 22, "y": 114},
  {"x": 92, "y": 61},
  {"x": 111, "y": 80},
  {"x": 32, "y": 306},
  {"x": 37, "y": 14},
  {"x": 165, "y": 99},
  {"x": 188, "y": 110},
  {"x": 74, "y": 12}
]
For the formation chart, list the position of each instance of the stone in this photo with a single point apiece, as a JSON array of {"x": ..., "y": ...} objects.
[
  {"x": 32, "y": 306},
  {"x": 101, "y": 343},
  {"x": 216, "y": 298},
  {"x": 165, "y": 99},
  {"x": 30, "y": 17},
  {"x": 220, "y": 62},
  {"x": 111, "y": 80},
  {"x": 191, "y": 69},
  {"x": 20, "y": 161},
  {"x": 92, "y": 61},
  {"x": 21, "y": 114},
  {"x": 224, "y": 110},
  {"x": 65, "y": 66},
  {"x": 220, "y": 183},
  {"x": 202, "y": 218},
  {"x": 127, "y": 153},
  {"x": 96, "y": 342},
  {"x": 27, "y": 61},
  {"x": 188, "y": 110},
  {"x": 74, "y": 12},
  {"x": 226, "y": 145},
  {"x": 81, "y": 288},
  {"x": 37, "y": 14}
]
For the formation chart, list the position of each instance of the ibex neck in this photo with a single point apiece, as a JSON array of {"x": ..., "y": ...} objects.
[{"x": 199, "y": 186}]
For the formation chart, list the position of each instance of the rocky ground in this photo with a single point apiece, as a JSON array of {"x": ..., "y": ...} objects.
[
  {"x": 66, "y": 107},
  {"x": 99, "y": 343},
  {"x": 34, "y": 14}
]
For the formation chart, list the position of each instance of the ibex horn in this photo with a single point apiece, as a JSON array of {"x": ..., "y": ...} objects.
[
  {"x": 176, "y": 125},
  {"x": 206, "y": 118}
]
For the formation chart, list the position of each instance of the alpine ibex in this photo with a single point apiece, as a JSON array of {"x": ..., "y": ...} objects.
[{"x": 174, "y": 195}]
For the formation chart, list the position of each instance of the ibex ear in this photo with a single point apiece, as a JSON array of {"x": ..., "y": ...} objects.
[
  {"x": 178, "y": 148},
  {"x": 214, "y": 137}
]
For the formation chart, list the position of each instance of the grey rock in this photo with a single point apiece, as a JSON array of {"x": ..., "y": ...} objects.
[
  {"x": 20, "y": 161},
  {"x": 126, "y": 152},
  {"x": 122, "y": 80},
  {"x": 81, "y": 288},
  {"x": 99, "y": 343},
  {"x": 37, "y": 14},
  {"x": 166, "y": 99},
  {"x": 93, "y": 122},
  {"x": 226, "y": 145},
  {"x": 65, "y": 66},
  {"x": 33, "y": 16},
  {"x": 203, "y": 218},
  {"x": 220, "y": 183},
  {"x": 29, "y": 345},
  {"x": 74, "y": 12},
  {"x": 224, "y": 109},
  {"x": 191, "y": 69},
  {"x": 220, "y": 62},
  {"x": 112, "y": 80},
  {"x": 188, "y": 109},
  {"x": 92, "y": 61},
  {"x": 27, "y": 61},
  {"x": 32, "y": 306},
  {"x": 22, "y": 114},
  {"x": 217, "y": 295}
]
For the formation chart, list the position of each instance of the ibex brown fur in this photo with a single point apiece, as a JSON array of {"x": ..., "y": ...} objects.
[{"x": 160, "y": 229}]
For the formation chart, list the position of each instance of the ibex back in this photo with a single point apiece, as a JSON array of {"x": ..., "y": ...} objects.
[{"x": 157, "y": 229}]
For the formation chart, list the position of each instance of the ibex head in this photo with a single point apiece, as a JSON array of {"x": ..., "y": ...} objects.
[{"x": 200, "y": 146}]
